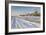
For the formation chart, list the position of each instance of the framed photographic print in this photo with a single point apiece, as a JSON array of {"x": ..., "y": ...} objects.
[{"x": 24, "y": 17}]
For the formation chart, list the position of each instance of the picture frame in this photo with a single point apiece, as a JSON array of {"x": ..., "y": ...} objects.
[{"x": 24, "y": 6}]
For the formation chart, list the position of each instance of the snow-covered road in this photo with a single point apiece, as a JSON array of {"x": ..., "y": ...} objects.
[{"x": 17, "y": 23}]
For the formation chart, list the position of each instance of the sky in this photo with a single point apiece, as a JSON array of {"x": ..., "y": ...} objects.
[{"x": 22, "y": 9}]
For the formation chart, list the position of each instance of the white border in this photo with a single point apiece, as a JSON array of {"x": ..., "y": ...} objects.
[{"x": 30, "y": 29}]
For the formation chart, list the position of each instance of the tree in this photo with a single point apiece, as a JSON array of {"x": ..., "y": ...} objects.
[{"x": 36, "y": 13}]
